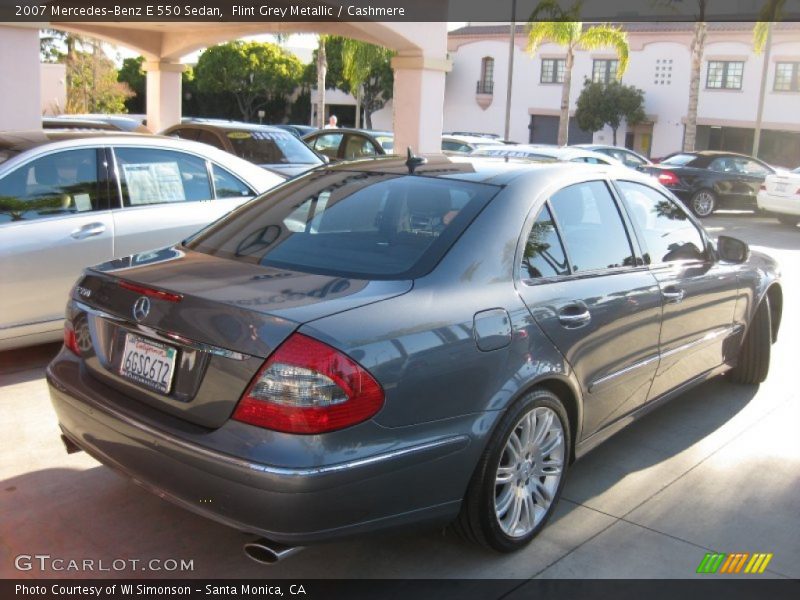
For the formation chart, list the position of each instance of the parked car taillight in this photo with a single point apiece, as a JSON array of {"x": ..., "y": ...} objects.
[
  {"x": 308, "y": 387},
  {"x": 668, "y": 178},
  {"x": 70, "y": 339}
]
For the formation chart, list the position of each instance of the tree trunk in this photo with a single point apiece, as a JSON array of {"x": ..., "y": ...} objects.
[
  {"x": 359, "y": 95},
  {"x": 563, "y": 121},
  {"x": 613, "y": 136},
  {"x": 322, "y": 69},
  {"x": 698, "y": 45},
  {"x": 762, "y": 90}
]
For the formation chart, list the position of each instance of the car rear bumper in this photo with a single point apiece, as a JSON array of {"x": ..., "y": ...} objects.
[
  {"x": 421, "y": 481},
  {"x": 785, "y": 205}
]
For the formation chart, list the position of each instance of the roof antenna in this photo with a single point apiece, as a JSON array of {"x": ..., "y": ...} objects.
[{"x": 414, "y": 161}]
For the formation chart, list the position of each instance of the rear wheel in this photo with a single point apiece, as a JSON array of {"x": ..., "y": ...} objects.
[
  {"x": 519, "y": 478},
  {"x": 752, "y": 365},
  {"x": 703, "y": 203},
  {"x": 789, "y": 220}
]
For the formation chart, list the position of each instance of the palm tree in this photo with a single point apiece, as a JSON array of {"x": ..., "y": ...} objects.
[
  {"x": 359, "y": 60},
  {"x": 322, "y": 70},
  {"x": 762, "y": 42},
  {"x": 573, "y": 36},
  {"x": 698, "y": 47}
]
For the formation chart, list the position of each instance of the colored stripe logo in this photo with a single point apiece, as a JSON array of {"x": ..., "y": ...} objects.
[{"x": 737, "y": 562}]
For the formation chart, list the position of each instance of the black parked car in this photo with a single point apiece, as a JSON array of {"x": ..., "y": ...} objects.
[
  {"x": 708, "y": 180},
  {"x": 349, "y": 144}
]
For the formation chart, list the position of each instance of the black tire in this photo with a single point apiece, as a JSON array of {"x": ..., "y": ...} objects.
[
  {"x": 703, "y": 203},
  {"x": 477, "y": 521},
  {"x": 752, "y": 365},
  {"x": 789, "y": 220}
]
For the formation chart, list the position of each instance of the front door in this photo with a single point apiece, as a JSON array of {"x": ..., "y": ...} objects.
[
  {"x": 585, "y": 288},
  {"x": 699, "y": 294}
]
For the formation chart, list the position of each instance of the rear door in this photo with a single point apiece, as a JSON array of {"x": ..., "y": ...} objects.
[
  {"x": 699, "y": 293},
  {"x": 166, "y": 195},
  {"x": 585, "y": 287},
  {"x": 54, "y": 222}
]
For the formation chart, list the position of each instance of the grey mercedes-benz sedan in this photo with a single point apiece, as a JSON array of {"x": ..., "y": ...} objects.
[{"x": 391, "y": 342}]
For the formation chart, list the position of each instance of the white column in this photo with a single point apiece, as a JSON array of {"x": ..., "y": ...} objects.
[
  {"x": 163, "y": 94},
  {"x": 20, "y": 78},
  {"x": 418, "y": 102}
]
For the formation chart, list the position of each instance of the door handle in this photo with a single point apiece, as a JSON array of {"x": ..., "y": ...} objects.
[
  {"x": 672, "y": 294},
  {"x": 89, "y": 230},
  {"x": 574, "y": 315}
]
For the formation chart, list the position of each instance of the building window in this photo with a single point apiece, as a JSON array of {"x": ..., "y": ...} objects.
[
  {"x": 724, "y": 75},
  {"x": 552, "y": 70},
  {"x": 486, "y": 83},
  {"x": 604, "y": 70},
  {"x": 663, "y": 74},
  {"x": 787, "y": 77}
]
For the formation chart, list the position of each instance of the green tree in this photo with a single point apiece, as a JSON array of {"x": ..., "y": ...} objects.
[
  {"x": 132, "y": 74},
  {"x": 92, "y": 81},
  {"x": 256, "y": 74},
  {"x": 571, "y": 34},
  {"x": 368, "y": 73},
  {"x": 603, "y": 104}
]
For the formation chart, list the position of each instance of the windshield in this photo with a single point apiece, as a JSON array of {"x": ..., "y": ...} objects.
[
  {"x": 271, "y": 148},
  {"x": 679, "y": 160},
  {"x": 349, "y": 224}
]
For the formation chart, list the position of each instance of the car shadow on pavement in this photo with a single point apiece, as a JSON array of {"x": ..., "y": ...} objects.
[{"x": 26, "y": 364}]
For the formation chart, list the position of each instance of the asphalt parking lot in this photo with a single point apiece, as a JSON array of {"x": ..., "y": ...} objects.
[{"x": 716, "y": 470}]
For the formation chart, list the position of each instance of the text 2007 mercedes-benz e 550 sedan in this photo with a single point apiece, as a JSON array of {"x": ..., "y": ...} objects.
[{"x": 390, "y": 342}]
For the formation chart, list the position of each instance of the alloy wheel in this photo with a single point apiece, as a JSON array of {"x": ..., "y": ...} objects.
[
  {"x": 529, "y": 472},
  {"x": 703, "y": 204}
]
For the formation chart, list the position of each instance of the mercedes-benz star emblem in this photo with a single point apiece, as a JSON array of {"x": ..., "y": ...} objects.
[{"x": 141, "y": 308}]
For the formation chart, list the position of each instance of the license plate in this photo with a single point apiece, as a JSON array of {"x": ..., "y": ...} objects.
[{"x": 148, "y": 363}]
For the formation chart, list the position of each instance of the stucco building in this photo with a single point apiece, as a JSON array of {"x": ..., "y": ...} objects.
[{"x": 660, "y": 61}]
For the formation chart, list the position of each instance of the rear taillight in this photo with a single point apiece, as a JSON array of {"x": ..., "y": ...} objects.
[
  {"x": 308, "y": 387},
  {"x": 70, "y": 339},
  {"x": 668, "y": 178}
]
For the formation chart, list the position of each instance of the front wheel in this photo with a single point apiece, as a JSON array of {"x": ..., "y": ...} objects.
[
  {"x": 519, "y": 478},
  {"x": 752, "y": 365},
  {"x": 703, "y": 203}
]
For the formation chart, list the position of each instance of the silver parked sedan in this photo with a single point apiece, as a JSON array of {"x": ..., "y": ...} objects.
[{"x": 72, "y": 199}]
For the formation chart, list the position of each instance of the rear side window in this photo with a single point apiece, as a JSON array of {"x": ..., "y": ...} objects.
[
  {"x": 362, "y": 225},
  {"x": 61, "y": 183},
  {"x": 543, "y": 255},
  {"x": 591, "y": 227},
  {"x": 151, "y": 176},
  {"x": 228, "y": 185},
  {"x": 668, "y": 233}
]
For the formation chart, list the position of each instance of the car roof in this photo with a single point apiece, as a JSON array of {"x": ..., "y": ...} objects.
[
  {"x": 372, "y": 132},
  {"x": 20, "y": 141},
  {"x": 470, "y": 139},
  {"x": 225, "y": 125},
  {"x": 550, "y": 150},
  {"x": 479, "y": 169}
]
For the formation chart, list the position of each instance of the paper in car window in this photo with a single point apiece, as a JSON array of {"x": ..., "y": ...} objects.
[
  {"x": 82, "y": 202},
  {"x": 153, "y": 183}
]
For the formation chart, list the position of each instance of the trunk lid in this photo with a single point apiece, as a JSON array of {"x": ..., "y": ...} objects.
[
  {"x": 782, "y": 185},
  {"x": 228, "y": 318}
]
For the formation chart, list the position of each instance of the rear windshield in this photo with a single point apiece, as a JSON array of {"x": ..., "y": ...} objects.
[
  {"x": 679, "y": 160},
  {"x": 349, "y": 224},
  {"x": 271, "y": 148}
]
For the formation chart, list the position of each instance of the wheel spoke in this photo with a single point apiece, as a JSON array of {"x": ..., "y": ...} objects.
[
  {"x": 529, "y": 510},
  {"x": 554, "y": 442},
  {"x": 514, "y": 448},
  {"x": 543, "y": 425},
  {"x": 516, "y": 511},
  {"x": 550, "y": 467},
  {"x": 504, "y": 475},
  {"x": 504, "y": 501},
  {"x": 541, "y": 494}
]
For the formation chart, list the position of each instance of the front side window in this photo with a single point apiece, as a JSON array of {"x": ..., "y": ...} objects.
[
  {"x": 153, "y": 176},
  {"x": 358, "y": 147},
  {"x": 668, "y": 233},
  {"x": 328, "y": 144},
  {"x": 591, "y": 227},
  {"x": 361, "y": 225},
  {"x": 552, "y": 70},
  {"x": 604, "y": 70},
  {"x": 543, "y": 255},
  {"x": 58, "y": 184},
  {"x": 787, "y": 77},
  {"x": 724, "y": 75}
]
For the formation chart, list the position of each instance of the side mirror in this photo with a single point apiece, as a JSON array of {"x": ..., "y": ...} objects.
[
  {"x": 732, "y": 250},
  {"x": 325, "y": 159}
]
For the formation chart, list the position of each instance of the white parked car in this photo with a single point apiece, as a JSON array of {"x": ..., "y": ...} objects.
[
  {"x": 71, "y": 199},
  {"x": 541, "y": 152},
  {"x": 780, "y": 195}
]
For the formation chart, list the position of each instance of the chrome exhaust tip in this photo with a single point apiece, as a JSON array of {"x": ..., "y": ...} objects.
[{"x": 267, "y": 552}]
